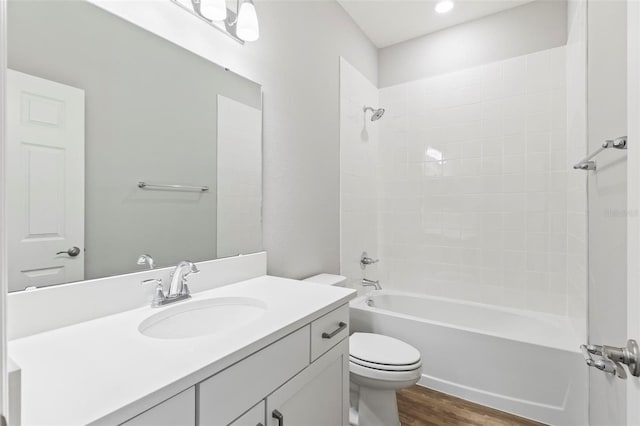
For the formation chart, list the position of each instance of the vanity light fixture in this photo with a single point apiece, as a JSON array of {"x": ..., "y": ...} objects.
[
  {"x": 247, "y": 26},
  {"x": 444, "y": 6},
  {"x": 242, "y": 25},
  {"x": 215, "y": 10}
]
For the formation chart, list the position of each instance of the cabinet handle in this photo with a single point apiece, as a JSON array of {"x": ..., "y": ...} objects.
[
  {"x": 259, "y": 424},
  {"x": 341, "y": 326},
  {"x": 278, "y": 416}
]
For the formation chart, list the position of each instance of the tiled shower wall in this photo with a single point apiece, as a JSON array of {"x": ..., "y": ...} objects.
[
  {"x": 577, "y": 149},
  {"x": 473, "y": 185}
]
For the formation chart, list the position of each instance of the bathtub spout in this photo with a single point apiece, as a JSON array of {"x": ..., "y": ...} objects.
[{"x": 370, "y": 283}]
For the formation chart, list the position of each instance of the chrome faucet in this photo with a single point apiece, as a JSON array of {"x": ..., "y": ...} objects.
[
  {"x": 178, "y": 287},
  {"x": 146, "y": 259},
  {"x": 178, "y": 290},
  {"x": 370, "y": 283}
]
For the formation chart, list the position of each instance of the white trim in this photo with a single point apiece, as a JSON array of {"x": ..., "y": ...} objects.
[
  {"x": 3, "y": 259},
  {"x": 633, "y": 197}
]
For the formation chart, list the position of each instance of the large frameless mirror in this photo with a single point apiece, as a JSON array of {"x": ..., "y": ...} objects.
[{"x": 122, "y": 143}]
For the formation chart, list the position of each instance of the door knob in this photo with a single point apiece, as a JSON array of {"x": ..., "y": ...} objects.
[
  {"x": 73, "y": 251},
  {"x": 611, "y": 357}
]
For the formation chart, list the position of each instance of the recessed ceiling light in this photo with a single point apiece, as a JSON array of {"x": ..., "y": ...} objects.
[{"x": 444, "y": 6}]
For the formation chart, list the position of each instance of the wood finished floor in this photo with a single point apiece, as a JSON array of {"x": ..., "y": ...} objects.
[{"x": 419, "y": 406}]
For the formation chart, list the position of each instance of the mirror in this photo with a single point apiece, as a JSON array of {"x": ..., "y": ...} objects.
[{"x": 97, "y": 105}]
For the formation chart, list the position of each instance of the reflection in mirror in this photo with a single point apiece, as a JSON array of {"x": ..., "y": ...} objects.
[{"x": 97, "y": 105}]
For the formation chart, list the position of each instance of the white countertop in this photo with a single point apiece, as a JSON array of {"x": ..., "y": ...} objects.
[{"x": 104, "y": 371}]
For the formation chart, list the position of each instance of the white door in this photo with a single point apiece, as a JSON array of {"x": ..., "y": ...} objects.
[
  {"x": 44, "y": 182},
  {"x": 633, "y": 199}
]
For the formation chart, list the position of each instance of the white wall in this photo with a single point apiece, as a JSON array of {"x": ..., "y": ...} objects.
[
  {"x": 607, "y": 118},
  {"x": 296, "y": 61},
  {"x": 525, "y": 29},
  {"x": 358, "y": 180}
]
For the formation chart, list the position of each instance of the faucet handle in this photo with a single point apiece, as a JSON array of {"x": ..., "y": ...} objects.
[
  {"x": 157, "y": 281},
  {"x": 159, "y": 295},
  {"x": 366, "y": 260}
]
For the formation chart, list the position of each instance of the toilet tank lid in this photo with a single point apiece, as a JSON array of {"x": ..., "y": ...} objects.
[{"x": 327, "y": 279}]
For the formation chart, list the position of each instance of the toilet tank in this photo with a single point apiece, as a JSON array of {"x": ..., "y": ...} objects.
[{"x": 328, "y": 279}]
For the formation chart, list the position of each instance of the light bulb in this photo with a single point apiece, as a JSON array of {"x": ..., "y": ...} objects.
[
  {"x": 216, "y": 10},
  {"x": 444, "y": 6},
  {"x": 247, "y": 27}
]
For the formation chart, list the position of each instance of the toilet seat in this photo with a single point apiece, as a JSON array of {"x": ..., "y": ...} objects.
[
  {"x": 385, "y": 367},
  {"x": 383, "y": 352},
  {"x": 384, "y": 376}
]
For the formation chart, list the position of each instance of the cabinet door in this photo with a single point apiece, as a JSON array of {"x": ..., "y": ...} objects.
[
  {"x": 253, "y": 417},
  {"x": 317, "y": 396},
  {"x": 177, "y": 411}
]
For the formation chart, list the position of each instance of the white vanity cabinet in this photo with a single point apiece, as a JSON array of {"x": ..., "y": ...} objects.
[
  {"x": 293, "y": 359},
  {"x": 307, "y": 387},
  {"x": 253, "y": 417},
  {"x": 179, "y": 410}
]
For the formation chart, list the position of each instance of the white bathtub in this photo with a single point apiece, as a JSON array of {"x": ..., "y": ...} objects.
[{"x": 520, "y": 362}]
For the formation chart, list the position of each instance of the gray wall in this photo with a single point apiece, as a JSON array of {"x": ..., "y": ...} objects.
[
  {"x": 150, "y": 115},
  {"x": 607, "y": 202},
  {"x": 525, "y": 29}
]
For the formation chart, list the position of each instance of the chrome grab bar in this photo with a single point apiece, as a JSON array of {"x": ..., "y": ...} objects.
[
  {"x": 145, "y": 185},
  {"x": 587, "y": 164}
]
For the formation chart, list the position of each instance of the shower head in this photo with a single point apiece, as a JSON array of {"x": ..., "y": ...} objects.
[{"x": 377, "y": 113}]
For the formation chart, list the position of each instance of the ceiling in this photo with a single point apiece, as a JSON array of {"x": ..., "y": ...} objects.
[{"x": 388, "y": 22}]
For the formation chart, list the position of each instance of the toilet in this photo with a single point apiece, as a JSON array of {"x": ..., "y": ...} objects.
[{"x": 378, "y": 366}]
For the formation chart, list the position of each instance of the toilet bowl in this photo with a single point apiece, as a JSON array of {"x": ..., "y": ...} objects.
[{"x": 378, "y": 367}]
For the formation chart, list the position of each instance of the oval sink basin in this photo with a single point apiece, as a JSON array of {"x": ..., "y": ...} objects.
[{"x": 202, "y": 317}]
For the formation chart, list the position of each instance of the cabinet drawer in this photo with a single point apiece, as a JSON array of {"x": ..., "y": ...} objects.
[
  {"x": 329, "y": 330},
  {"x": 225, "y": 396}
]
